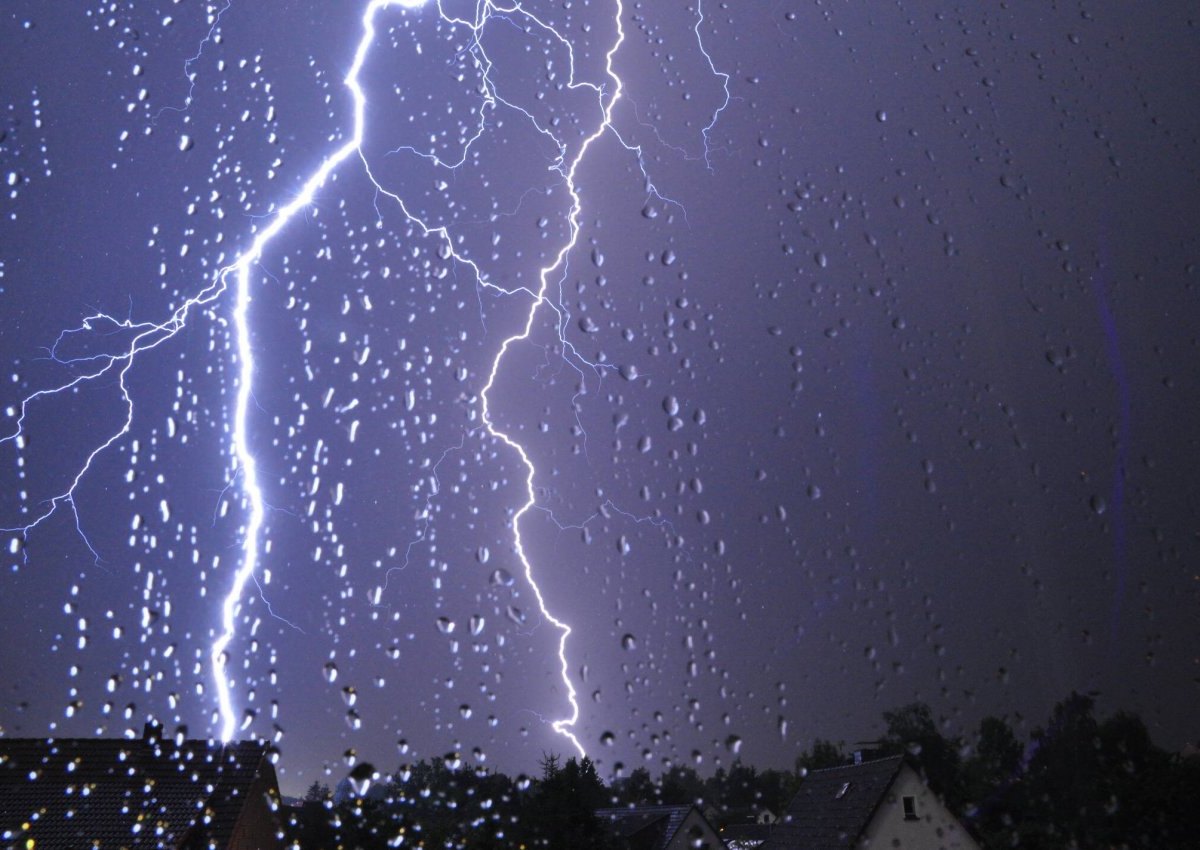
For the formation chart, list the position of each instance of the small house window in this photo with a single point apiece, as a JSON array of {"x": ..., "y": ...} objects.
[
  {"x": 842, "y": 791},
  {"x": 910, "y": 808}
]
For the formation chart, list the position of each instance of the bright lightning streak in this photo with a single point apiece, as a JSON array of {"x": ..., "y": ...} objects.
[
  {"x": 149, "y": 335},
  {"x": 237, "y": 276},
  {"x": 246, "y": 464},
  {"x": 563, "y": 726}
]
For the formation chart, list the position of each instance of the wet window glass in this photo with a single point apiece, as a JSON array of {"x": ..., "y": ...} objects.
[{"x": 596, "y": 422}]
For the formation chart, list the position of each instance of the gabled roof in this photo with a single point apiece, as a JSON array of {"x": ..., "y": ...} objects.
[
  {"x": 75, "y": 793},
  {"x": 833, "y": 806},
  {"x": 651, "y": 827}
]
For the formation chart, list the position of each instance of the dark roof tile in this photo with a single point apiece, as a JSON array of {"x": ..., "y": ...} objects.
[
  {"x": 654, "y": 826},
  {"x": 834, "y": 806},
  {"x": 105, "y": 793}
]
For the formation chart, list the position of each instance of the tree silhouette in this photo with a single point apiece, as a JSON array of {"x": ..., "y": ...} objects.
[
  {"x": 681, "y": 785},
  {"x": 1080, "y": 782},
  {"x": 637, "y": 789},
  {"x": 824, "y": 753},
  {"x": 563, "y": 812},
  {"x": 912, "y": 731}
]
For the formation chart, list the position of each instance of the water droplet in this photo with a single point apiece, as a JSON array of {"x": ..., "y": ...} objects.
[
  {"x": 360, "y": 779},
  {"x": 501, "y": 578}
]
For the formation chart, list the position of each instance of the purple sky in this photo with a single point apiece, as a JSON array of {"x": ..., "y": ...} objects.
[{"x": 888, "y": 395}]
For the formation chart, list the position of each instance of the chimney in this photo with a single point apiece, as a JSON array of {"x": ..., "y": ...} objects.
[
  {"x": 858, "y": 756},
  {"x": 152, "y": 732}
]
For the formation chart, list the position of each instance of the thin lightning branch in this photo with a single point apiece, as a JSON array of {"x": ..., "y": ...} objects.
[
  {"x": 716, "y": 116},
  {"x": 187, "y": 65},
  {"x": 602, "y": 511},
  {"x": 425, "y": 517},
  {"x": 263, "y": 596}
]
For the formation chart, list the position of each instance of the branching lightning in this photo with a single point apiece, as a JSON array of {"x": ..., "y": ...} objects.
[
  {"x": 140, "y": 337},
  {"x": 724, "y": 77}
]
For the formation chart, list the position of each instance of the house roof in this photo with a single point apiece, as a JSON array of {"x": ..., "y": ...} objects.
[
  {"x": 746, "y": 834},
  {"x": 113, "y": 793},
  {"x": 833, "y": 806},
  {"x": 651, "y": 826}
]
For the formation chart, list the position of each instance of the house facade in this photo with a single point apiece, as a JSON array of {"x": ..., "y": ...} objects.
[
  {"x": 875, "y": 804},
  {"x": 911, "y": 815}
]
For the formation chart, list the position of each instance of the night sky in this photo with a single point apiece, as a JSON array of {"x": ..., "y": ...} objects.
[{"x": 871, "y": 376}]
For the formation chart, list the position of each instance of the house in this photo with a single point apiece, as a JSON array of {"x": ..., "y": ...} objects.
[
  {"x": 152, "y": 792},
  {"x": 662, "y": 828},
  {"x": 750, "y": 834},
  {"x": 746, "y": 836},
  {"x": 881, "y": 803}
]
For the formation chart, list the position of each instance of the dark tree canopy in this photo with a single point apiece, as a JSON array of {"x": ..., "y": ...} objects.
[
  {"x": 1078, "y": 782},
  {"x": 912, "y": 731}
]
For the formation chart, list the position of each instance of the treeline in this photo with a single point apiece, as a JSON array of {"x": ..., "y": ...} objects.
[
  {"x": 1077, "y": 782},
  {"x": 432, "y": 805}
]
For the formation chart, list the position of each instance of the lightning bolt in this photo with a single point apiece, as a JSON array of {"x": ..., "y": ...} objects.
[
  {"x": 564, "y": 725},
  {"x": 236, "y": 276}
]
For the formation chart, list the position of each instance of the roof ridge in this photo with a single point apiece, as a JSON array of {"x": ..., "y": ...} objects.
[
  {"x": 863, "y": 763},
  {"x": 644, "y": 807}
]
